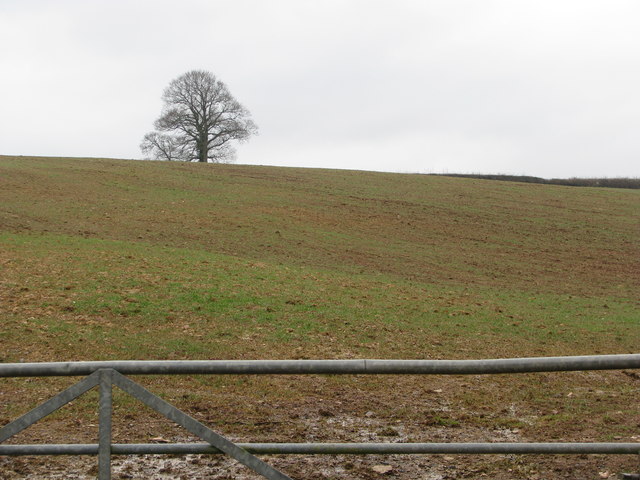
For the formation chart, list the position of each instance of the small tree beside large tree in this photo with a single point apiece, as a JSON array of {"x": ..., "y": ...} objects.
[{"x": 199, "y": 121}]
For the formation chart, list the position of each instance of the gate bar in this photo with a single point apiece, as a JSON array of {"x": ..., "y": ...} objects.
[
  {"x": 354, "y": 367},
  {"x": 331, "y": 448}
]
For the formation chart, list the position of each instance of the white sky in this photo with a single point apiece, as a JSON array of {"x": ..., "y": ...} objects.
[{"x": 538, "y": 87}]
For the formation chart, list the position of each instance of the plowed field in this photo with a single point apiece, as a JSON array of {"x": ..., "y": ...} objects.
[{"x": 113, "y": 259}]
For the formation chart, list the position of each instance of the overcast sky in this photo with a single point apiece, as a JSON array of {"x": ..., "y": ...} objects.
[{"x": 546, "y": 88}]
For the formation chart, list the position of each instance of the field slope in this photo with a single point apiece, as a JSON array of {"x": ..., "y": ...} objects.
[{"x": 113, "y": 259}]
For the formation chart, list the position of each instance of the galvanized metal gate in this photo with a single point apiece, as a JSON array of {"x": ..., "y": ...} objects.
[{"x": 107, "y": 374}]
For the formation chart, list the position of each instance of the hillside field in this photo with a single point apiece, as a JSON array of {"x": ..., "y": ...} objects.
[{"x": 114, "y": 259}]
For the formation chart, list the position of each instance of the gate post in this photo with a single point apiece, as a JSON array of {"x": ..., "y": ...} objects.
[{"x": 104, "y": 424}]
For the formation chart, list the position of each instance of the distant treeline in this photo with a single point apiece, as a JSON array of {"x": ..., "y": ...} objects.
[{"x": 622, "y": 182}]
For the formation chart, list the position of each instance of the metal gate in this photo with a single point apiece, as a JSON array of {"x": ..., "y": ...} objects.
[{"x": 105, "y": 375}]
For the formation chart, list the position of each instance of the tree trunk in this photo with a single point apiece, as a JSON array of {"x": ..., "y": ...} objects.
[{"x": 203, "y": 151}]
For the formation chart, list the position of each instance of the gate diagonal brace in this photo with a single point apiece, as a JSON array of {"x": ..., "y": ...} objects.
[
  {"x": 48, "y": 407},
  {"x": 195, "y": 427},
  {"x": 112, "y": 377}
]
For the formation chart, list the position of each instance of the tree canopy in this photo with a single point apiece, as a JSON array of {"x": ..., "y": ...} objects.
[{"x": 199, "y": 120}]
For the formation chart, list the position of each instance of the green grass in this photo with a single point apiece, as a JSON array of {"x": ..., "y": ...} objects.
[{"x": 199, "y": 303}]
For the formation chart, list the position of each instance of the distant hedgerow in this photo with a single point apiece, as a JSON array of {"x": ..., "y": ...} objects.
[{"x": 619, "y": 182}]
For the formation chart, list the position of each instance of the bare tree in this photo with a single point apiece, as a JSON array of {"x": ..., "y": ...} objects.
[
  {"x": 199, "y": 120},
  {"x": 163, "y": 147}
]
